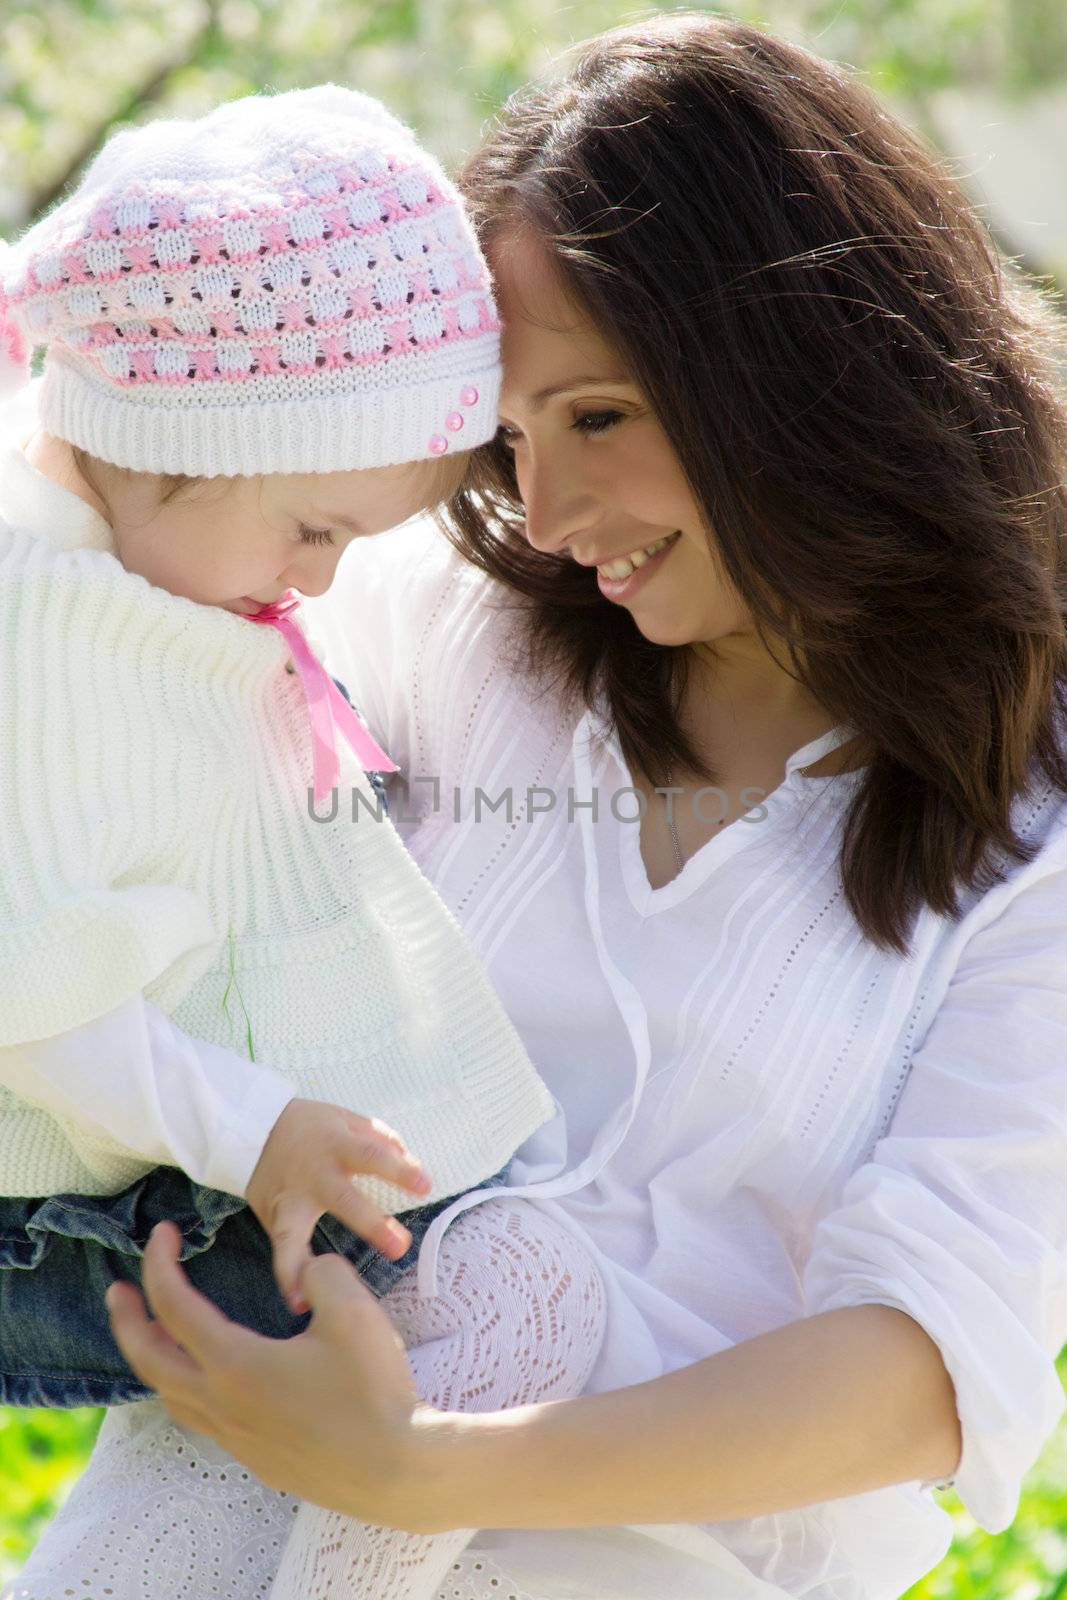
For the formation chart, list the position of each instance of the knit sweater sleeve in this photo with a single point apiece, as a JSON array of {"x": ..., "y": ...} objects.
[{"x": 89, "y": 915}]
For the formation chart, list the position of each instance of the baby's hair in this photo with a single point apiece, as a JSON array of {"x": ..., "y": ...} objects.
[
  {"x": 171, "y": 484},
  {"x": 448, "y": 477}
]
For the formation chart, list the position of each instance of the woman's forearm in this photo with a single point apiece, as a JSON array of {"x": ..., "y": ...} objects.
[{"x": 833, "y": 1405}]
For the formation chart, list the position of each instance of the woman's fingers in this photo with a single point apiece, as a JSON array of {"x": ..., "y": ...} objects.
[
  {"x": 147, "y": 1346},
  {"x": 348, "y": 1316},
  {"x": 288, "y": 1408},
  {"x": 157, "y": 1358},
  {"x": 197, "y": 1325},
  {"x": 334, "y": 1287}
]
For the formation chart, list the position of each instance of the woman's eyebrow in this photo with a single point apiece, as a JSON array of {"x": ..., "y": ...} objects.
[{"x": 584, "y": 380}]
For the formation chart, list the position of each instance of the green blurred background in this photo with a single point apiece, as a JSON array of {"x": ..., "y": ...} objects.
[{"x": 984, "y": 80}]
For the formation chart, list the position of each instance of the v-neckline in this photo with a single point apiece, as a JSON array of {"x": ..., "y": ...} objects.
[{"x": 721, "y": 847}]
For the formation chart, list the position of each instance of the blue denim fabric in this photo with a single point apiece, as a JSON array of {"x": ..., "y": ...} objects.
[{"x": 58, "y": 1256}]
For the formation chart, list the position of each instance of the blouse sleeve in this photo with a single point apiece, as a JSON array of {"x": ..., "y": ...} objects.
[{"x": 959, "y": 1217}]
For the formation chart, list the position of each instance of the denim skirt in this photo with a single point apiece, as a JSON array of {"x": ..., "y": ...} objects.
[{"x": 58, "y": 1256}]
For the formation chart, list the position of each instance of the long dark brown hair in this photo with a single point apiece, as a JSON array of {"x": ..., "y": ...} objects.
[{"x": 864, "y": 398}]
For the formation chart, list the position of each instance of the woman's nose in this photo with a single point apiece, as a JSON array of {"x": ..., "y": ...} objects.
[{"x": 557, "y": 506}]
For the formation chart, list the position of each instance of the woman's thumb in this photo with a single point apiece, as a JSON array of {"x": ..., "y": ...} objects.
[
  {"x": 332, "y": 1284},
  {"x": 342, "y": 1305}
]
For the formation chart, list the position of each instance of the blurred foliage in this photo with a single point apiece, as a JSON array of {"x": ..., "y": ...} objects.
[
  {"x": 41, "y": 1453},
  {"x": 1026, "y": 1562},
  {"x": 70, "y": 70}
]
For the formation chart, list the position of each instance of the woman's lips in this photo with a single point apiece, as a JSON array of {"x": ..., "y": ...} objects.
[{"x": 622, "y": 589}]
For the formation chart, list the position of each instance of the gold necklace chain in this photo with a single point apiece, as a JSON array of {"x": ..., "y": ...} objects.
[
  {"x": 679, "y": 853},
  {"x": 679, "y": 857}
]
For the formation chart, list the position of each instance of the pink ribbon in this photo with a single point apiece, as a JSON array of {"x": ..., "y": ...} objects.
[{"x": 329, "y": 711}]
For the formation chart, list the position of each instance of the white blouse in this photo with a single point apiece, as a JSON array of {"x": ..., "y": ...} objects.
[{"x": 761, "y": 1116}]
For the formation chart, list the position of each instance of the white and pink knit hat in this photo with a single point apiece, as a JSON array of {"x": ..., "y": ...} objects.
[{"x": 288, "y": 284}]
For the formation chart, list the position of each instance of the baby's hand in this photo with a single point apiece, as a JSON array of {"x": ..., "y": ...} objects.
[{"x": 306, "y": 1168}]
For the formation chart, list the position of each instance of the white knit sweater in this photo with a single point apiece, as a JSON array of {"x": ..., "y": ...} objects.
[{"x": 155, "y": 756}]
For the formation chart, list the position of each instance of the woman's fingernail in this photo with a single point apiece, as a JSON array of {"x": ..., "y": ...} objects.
[{"x": 423, "y": 1182}]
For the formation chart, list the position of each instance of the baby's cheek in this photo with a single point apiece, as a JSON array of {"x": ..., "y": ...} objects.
[{"x": 198, "y": 570}]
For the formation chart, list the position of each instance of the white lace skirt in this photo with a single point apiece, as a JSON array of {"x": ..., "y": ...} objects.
[{"x": 164, "y": 1514}]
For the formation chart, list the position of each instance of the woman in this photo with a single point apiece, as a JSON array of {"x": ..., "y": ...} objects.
[{"x": 764, "y": 372}]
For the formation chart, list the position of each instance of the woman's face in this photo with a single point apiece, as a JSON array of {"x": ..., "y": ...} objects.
[{"x": 597, "y": 475}]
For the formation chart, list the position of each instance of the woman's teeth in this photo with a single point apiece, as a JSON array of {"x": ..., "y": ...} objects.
[{"x": 623, "y": 566}]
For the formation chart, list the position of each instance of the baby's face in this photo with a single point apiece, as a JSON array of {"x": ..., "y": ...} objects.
[{"x": 240, "y": 543}]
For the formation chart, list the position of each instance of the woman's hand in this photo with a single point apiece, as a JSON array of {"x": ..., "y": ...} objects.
[
  {"x": 306, "y": 1168},
  {"x": 331, "y": 1415},
  {"x": 831, "y": 1405}
]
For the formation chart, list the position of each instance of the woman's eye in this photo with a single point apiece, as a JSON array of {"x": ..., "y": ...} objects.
[
  {"x": 597, "y": 421},
  {"x": 315, "y": 535},
  {"x": 588, "y": 422}
]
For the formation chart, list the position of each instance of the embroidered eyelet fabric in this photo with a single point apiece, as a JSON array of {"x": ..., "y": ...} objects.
[{"x": 166, "y": 1513}]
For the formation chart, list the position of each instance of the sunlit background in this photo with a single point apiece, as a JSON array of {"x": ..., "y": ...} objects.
[{"x": 984, "y": 80}]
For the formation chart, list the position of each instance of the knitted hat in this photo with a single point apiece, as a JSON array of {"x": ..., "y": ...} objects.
[{"x": 288, "y": 284}]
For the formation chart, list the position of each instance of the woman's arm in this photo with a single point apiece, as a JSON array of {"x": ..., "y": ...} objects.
[
  {"x": 832, "y": 1405},
  {"x": 936, "y": 1287}
]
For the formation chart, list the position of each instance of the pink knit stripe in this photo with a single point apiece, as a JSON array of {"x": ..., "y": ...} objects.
[
  {"x": 275, "y": 224},
  {"x": 267, "y": 359},
  {"x": 234, "y": 317}
]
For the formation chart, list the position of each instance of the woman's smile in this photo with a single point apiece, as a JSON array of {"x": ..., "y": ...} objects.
[{"x": 615, "y": 584}]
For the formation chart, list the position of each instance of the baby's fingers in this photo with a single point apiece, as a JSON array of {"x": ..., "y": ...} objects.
[
  {"x": 361, "y": 1216},
  {"x": 292, "y": 1224},
  {"x": 373, "y": 1149}
]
